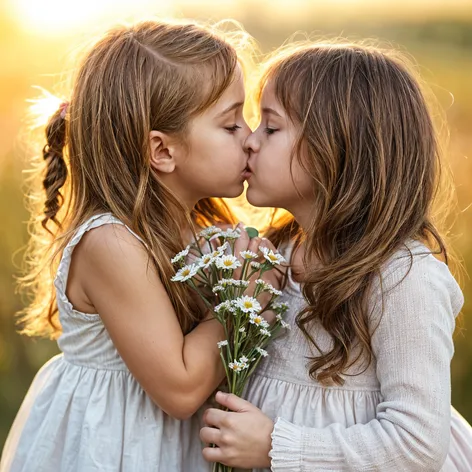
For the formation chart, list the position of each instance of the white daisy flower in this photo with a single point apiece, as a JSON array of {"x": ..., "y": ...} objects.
[
  {"x": 242, "y": 330},
  {"x": 248, "y": 254},
  {"x": 232, "y": 283},
  {"x": 220, "y": 250},
  {"x": 227, "y": 262},
  {"x": 231, "y": 234},
  {"x": 273, "y": 257},
  {"x": 181, "y": 255},
  {"x": 257, "y": 320},
  {"x": 234, "y": 366},
  {"x": 220, "y": 344},
  {"x": 264, "y": 332},
  {"x": 238, "y": 366},
  {"x": 262, "y": 352},
  {"x": 280, "y": 307},
  {"x": 264, "y": 249},
  {"x": 209, "y": 232},
  {"x": 285, "y": 325},
  {"x": 223, "y": 306},
  {"x": 278, "y": 317},
  {"x": 216, "y": 235},
  {"x": 243, "y": 360},
  {"x": 185, "y": 273},
  {"x": 205, "y": 261},
  {"x": 247, "y": 304},
  {"x": 228, "y": 282},
  {"x": 268, "y": 287},
  {"x": 217, "y": 288},
  {"x": 255, "y": 265},
  {"x": 265, "y": 324}
]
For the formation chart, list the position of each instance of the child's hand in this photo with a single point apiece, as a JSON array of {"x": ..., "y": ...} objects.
[{"x": 242, "y": 435}]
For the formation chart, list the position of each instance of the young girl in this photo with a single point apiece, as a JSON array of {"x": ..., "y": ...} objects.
[
  {"x": 362, "y": 382},
  {"x": 154, "y": 125}
]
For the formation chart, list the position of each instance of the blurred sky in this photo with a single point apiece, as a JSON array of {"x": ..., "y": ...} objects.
[{"x": 56, "y": 17}]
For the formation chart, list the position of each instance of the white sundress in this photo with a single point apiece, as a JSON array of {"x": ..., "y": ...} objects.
[
  {"x": 85, "y": 412},
  {"x": 396, "y": 415}
]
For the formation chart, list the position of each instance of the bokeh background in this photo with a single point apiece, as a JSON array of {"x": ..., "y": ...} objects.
[{"x": 37, "y": 38}]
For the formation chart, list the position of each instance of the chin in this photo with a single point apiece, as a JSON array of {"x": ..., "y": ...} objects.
[
  {"x": 233, "y": 191},
  {"x": 256, "y": 199}
]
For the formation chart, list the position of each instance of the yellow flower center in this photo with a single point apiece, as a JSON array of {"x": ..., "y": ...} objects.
[
  {"x": 247, "y": 304},
  {"x": 272, "y": 257},
  {"x": 186, "y": 272},
  {"x": 228, "y": 263}
]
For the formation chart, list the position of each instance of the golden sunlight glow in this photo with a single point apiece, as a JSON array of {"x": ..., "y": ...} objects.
[
  {"x": 42, "y": 108},
  {"x": 59, "y": 17},
  {"x": 68, "y": 17}
]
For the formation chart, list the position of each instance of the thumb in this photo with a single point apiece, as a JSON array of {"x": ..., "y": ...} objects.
[{"x": 233, "y": 402}]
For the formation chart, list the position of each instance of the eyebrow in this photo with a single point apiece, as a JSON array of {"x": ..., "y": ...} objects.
[
  {"x": 270, "y": 111},
  {"x": 232, "y": 107}
]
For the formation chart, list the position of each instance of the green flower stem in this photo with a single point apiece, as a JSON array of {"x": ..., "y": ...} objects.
[{"x": 194, "y": 286}]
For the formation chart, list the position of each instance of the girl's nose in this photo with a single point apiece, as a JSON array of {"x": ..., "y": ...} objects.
[{"x": 252, "y": 143}]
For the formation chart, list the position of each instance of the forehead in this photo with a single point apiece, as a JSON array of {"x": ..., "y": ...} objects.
[
  {"x": 269, "y": 100},
  {"x": 234, "y": 93}
]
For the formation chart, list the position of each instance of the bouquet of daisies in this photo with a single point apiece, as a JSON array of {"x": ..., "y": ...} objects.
[
  {"x": 239, "y": 304},
  {"x": 246, "y": 329}
]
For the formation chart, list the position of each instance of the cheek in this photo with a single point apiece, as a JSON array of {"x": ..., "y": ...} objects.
[
  {"x": 214, "y": 156},
  {"x": 215, "y": 165},
  {"x": 302, "y": 180},
  {"x": 272, "y": 184}
]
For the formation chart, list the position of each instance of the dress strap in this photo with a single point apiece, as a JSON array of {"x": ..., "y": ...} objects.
[{"x": 62, "y": 273}]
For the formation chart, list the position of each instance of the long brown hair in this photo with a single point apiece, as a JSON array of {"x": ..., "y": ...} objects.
[
  {"x": 151, "y": 75},
  {"x": 367, "y": 139}
]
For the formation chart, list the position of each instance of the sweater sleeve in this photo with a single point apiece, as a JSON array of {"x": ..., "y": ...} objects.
[{"x": 413, "y": 347}]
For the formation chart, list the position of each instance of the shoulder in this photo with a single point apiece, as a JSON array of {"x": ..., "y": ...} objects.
[
  {"x": 112, "y": 235},
  {"x": 111, "y": 247},
  {"x": 414, "y": 277}
]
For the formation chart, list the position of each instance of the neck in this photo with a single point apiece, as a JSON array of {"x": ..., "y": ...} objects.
[
  {"x": 302, "y": 214},
  {"x": 186, "y": 198}
]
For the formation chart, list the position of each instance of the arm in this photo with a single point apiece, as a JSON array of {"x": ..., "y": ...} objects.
[
  {"x": 178, "y": 372},
  {"x": 413, "y": 347}
]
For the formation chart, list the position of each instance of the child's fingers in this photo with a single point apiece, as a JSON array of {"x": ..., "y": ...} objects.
[
  {"x": 266, "y": 243},
  {"x": 254, "y": 244}
]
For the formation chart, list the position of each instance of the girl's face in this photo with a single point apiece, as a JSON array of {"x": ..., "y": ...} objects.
[
  {"x": 213, "y": 161},
  {"x": 274, "y": 180}
]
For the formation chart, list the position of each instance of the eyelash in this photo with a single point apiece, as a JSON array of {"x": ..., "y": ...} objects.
[
  {"x": 233, "y": 129},
  {"x": 270, "y": 131}
]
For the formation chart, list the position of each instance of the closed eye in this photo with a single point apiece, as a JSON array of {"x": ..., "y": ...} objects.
[
  {"x": 270, "y": 130},
  {"x": 232, "y": 129}
]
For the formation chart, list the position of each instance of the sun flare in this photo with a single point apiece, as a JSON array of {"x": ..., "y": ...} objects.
[{"x": 59, "y": 17}]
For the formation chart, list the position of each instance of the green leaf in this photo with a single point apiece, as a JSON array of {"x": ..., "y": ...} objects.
[{"x": 252, "y": 232}]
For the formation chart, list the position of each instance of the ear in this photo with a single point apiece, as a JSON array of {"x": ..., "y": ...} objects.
[{"x": 162, "y": 156}]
